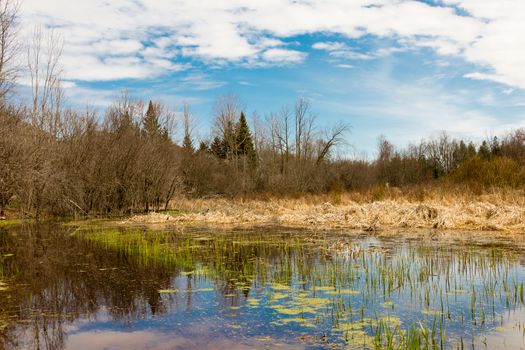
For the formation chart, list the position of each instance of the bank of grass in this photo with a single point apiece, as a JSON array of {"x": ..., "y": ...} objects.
[{"x": 377, "y": 209}]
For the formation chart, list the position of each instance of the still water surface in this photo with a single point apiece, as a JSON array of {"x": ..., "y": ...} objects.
[{"x": 62, "y": 287}]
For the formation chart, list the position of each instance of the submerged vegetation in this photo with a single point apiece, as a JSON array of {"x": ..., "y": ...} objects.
[{"x": 257, "y": 286}]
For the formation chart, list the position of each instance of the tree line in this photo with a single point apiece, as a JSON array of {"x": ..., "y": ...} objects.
[{"x": 61, "y": 161}]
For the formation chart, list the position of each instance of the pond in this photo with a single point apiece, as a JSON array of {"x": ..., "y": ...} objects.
[{"x": 104, "y": 287}]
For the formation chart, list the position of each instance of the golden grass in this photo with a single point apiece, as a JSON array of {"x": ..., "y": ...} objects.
[{"x": 442, "y": 209}]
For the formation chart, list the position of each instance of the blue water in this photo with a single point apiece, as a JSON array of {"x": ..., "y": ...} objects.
[{"x": 172, "y": 288}]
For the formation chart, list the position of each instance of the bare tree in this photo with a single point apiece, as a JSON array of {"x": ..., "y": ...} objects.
[
  {"x": 9, "y": 46},
  {"x": 304, "y": 128},
  {"x": 227, "y": 109},
  {"x": 440, "y": 151},
  {"x": 334, "y": 137},
  {"x": 385, "y": 154},
  {"x": 513, "y": 145},
  {"x": 45, "y": 72},
  {"x": 187, "y": 141},
  {"x": 10, "y": 152},
  {"x": 43, "y": 59},
  {"x": 280, "y": 125}
]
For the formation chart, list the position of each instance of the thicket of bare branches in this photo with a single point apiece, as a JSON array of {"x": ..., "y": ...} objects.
[
  {"x": 60, "y": 161},
  {"x": 9, "y": 47}
]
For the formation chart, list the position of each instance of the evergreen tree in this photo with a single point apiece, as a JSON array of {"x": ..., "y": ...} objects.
[
  {"x": 484, "y": 150},
  {"x": 495, "y": 147},
  {"x": 151, "y": 123},
  {"x": 460, "y": 153},
  {"x": 471, "y": 150},
  {"x": 244, "y": 139},
  {"x": 218, "y": 148},
  {"x": 187, "y": 143},
  {"x": 203, "y": 147}
]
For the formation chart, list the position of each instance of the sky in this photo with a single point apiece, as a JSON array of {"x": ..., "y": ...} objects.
[{"x": 402, "y": 68}]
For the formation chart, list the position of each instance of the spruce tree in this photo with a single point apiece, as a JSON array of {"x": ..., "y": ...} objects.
[
  {"x": 151, "y": 121},
  {"x": 187, "y": 143},
  {"x": 495, "y": 147},
  {"x": 203, "y": 147},
  {"x": 218, "y": 148},
  {"x": 471, "y": 150},
  {"x": 484, "y": 150},
  {"x": 244, "y": 140}
]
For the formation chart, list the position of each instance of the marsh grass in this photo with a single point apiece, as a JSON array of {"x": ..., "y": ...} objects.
[
  {"x": 442, "y": 209},
  {"x": 363, "y": 293}
]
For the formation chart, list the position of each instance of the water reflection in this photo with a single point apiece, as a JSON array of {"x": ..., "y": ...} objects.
[{"x": 63, "y": 288}]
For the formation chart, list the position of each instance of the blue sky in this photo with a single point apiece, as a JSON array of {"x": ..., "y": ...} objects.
[{"x": 405, "y": 69}]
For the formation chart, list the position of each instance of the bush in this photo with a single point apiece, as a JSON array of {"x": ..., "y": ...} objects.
[{"x": 488, "y": 173}]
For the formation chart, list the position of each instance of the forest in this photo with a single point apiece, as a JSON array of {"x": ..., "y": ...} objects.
[{"x": 64, "y": 162}]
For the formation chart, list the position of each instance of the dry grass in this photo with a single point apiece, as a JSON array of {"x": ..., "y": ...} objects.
[{"x": 445, "y": 210}]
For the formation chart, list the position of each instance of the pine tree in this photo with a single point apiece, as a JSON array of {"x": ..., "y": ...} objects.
[{"x": 244, "y": 140}]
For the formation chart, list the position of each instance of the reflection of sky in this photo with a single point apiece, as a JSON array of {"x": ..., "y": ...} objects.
[
  {"x": 197, "y": 318},
  {"x": 208, "y": 324},
  {"x": 207, "y": 318},
  {"x": 510, "y": 335},
  {"x": 154, "y": 340}
]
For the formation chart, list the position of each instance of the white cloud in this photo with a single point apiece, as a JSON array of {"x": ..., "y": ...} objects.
[
  {"x": 283, "y": 56},
  {"x": 500, "y": 46},
  {"x": 199, "y": 81},
  {"x": 120, "y": 39},
  {"x": 330, "y": 46},
  {"x": 68, "y": 84},
  {"x": 343, "y": 51}
]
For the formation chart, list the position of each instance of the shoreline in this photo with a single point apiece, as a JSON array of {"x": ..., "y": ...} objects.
[{"x": 458, "y": 214}]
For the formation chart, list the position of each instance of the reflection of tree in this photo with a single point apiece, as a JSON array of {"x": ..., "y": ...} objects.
[
  {"x": 57, "y": 279},
  {"x": 64, "y": 277}
]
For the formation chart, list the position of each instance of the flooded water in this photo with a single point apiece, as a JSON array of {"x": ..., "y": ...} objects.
[{"x": 108, "y": 288}]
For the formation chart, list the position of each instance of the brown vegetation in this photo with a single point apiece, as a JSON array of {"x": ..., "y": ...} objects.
[
  {"x": 59, "y": 161},
  {"x": 396, "y": 210}
]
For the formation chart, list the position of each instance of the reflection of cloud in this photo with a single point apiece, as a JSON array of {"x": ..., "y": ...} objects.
[
  {"x": 510, "y": 335},
  {"x": 115, "y": 340}
]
